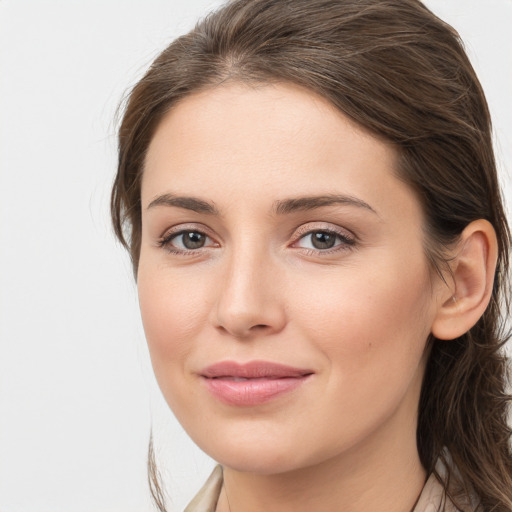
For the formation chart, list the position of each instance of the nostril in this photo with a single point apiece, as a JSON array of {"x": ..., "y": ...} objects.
[{"x": 259, "y": 327}]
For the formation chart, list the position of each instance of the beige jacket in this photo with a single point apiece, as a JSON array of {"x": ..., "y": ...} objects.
[{"x": 430, "y": 500}]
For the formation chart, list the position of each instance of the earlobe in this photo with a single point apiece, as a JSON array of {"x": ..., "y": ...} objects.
[{"x": 473, "y": 267}]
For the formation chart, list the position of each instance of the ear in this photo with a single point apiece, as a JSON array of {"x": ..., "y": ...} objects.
[{"x": 473, "y": 267}]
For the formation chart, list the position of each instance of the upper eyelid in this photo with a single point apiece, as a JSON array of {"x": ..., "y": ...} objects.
[
  {"x": 179, "y": 228},
  {"x": 308, "y": 228},
  {"x": 345, "y": 240}
]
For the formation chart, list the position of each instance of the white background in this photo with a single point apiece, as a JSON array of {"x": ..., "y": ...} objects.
[{"x": 77, "y": 396}]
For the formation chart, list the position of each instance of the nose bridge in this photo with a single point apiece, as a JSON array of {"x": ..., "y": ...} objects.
[{"x": 248, "y": 301}]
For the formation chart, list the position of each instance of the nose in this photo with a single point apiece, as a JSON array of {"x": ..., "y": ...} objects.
[{"x": 248, "y": 299}]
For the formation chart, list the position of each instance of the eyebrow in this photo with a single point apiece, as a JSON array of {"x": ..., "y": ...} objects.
[
  {"x": 188, "y": 203},
  {"x": 281, "y": 207},
  {"x": 312, "y": 202}
]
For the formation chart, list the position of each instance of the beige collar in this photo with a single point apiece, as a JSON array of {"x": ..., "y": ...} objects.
[{"x": 206, "y": 499}]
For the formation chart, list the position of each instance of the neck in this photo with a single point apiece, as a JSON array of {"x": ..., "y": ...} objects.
[{"x": 384, "y": 473}]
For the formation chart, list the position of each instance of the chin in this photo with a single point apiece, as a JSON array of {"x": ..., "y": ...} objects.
[
  {"x": 261, "y": 454},
  {"x": 259, "y": 461},
  {"x": 265, "y": 454}
]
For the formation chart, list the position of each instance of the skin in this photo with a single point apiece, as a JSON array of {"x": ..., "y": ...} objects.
[{"x": 358, "y": 314}]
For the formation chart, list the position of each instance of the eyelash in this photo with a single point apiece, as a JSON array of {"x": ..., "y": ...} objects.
[
  {"x": 165, "y": 241},
  {"x": 346, "y": 242}
]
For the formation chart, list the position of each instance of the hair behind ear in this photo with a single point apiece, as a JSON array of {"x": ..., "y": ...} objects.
[{"x": 462, "y": 420}]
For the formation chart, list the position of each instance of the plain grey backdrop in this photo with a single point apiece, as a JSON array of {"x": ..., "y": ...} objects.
[{"x": 77, "y": 395}]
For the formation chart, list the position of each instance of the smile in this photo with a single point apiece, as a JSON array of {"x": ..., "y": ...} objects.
[{"x": 253, "y": 383}]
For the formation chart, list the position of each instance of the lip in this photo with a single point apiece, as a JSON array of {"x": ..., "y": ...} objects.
[{"x": 252, "y": 383}]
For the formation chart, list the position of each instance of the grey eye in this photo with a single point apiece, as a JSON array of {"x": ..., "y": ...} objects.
[
  {"x": 323, "y": 239},
  {"x": 191, "y": 239}
]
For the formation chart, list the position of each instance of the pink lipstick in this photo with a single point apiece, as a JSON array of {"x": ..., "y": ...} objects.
[{"x": 253, "y": 383}]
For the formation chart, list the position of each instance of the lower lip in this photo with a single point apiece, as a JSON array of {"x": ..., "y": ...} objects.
[{"x": 252, "y": 391}]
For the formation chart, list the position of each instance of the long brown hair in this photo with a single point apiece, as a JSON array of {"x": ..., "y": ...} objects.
[{"x": 402, "y": 74}]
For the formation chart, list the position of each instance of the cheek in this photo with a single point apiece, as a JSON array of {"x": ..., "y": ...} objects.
[
  {"x": 172, "y": 314},
  {"x": 371, "y": 330},
  {"x": 378, "y": 319}
]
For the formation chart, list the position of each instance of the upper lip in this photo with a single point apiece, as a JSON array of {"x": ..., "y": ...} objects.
[{"x": 253, "y": 370}]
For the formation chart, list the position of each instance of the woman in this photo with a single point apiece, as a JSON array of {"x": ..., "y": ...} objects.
[{"x": 308, "y": 192}]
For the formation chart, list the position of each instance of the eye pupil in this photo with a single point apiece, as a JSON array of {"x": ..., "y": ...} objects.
[
  {"x": 323, "y": 240},
  {"x": 193, "y": 240}
]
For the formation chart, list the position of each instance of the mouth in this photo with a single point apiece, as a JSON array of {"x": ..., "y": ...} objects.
[{"x": 253, "y": 383}]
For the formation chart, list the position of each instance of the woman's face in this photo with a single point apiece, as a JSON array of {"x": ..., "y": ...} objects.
[{"x": 283, "y": 285}]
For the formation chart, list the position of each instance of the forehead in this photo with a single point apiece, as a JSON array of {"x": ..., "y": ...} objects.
[{"x": 237, "y": 139}]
